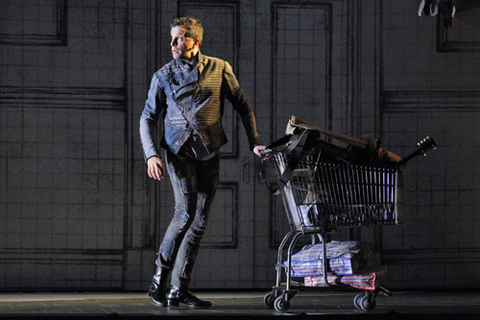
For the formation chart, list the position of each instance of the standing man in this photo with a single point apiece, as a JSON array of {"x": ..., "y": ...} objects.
[{"x": 188, "y": 95}]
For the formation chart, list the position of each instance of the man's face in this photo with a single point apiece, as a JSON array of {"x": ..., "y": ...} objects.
[{"x": 182, "y": 47}]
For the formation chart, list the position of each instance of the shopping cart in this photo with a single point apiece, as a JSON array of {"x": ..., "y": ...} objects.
[{"x": 322, "y": 196}]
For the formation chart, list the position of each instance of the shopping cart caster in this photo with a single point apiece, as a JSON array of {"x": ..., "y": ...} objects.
[
  {"x": 269, "y": 300},
  {"x": 281, "y": 304},
  {"x": 364, "y": 301}
]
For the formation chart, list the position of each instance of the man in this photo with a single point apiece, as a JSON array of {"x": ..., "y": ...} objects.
[{"x": 188, "y": 93}]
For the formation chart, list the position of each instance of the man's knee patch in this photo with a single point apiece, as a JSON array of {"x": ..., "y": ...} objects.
[{"x": 167, "y": 247}]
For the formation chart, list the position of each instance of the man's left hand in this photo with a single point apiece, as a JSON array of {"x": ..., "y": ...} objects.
[{"x": 257, "y": 149}]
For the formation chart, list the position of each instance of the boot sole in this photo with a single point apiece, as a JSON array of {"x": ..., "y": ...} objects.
[
  {"x": 176, "y": 303},
  {"x": 157, "y": 303}
]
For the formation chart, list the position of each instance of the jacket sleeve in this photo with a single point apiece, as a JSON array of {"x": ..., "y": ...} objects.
[
  {"x": 154, "y": 106},
  {"x": 234, "y": 93}
]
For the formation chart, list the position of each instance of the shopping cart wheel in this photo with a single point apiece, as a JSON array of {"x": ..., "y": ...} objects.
[
  {"x": 356, "y": 301},
  {"x": 269, "y": 299},
  {"x": 364, "y": 301},
  {"x": 367, "y": 304},
  {"x": 280, "y": 304}
]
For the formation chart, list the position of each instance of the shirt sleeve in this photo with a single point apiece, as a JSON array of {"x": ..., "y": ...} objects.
[
  {"x": 234, "y": 93},
  {"x": 154, "y": 106}
]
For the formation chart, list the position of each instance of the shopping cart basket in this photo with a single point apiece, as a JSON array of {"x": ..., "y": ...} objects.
[{"x": 322, "y": 196}]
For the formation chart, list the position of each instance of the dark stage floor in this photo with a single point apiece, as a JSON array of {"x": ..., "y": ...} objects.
[{"x": 328, "y": 304}]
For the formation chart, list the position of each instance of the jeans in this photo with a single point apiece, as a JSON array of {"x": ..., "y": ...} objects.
[{"x": 194, "y": 184}]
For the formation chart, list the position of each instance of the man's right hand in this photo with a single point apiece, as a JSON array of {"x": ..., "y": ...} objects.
[{"x": 155, "y": 168}]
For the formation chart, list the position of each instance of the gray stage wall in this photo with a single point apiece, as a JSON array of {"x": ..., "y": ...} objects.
[{"x": 77, "y": 211}]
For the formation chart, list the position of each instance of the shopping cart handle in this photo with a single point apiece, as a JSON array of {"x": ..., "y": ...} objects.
[{"x": 266, "y": 153}]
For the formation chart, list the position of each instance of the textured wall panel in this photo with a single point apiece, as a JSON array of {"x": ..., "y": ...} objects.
[
  {"x": 27, "y": 23},
  {"x": 441, "y": 192},
  {"x": 62, "y": 138},
  {"x": 462, "y": 36}
]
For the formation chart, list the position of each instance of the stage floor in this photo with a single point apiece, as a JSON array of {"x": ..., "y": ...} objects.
[{"x": 335, "y": 304}]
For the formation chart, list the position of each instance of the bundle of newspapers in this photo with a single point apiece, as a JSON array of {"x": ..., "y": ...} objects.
[{"x": 346, "y": 265}]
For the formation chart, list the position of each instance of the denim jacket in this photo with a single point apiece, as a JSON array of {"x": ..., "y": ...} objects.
[{"x": 191, "y": 101}]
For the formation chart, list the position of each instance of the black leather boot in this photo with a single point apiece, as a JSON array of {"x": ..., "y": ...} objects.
[
  {"x": 178, "y": 295},
  {"x": 158, "y": 288}
]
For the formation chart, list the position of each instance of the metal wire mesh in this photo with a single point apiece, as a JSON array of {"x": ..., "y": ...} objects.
[{"x": 330, "y": 195}]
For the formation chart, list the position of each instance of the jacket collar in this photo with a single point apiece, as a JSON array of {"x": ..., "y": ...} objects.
[
  {"x": 185, "y": 66},
  {"x": 189, "y": 80}
]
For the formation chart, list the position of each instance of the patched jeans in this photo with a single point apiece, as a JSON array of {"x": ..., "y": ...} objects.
[{"x": 194, "y": 185}]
